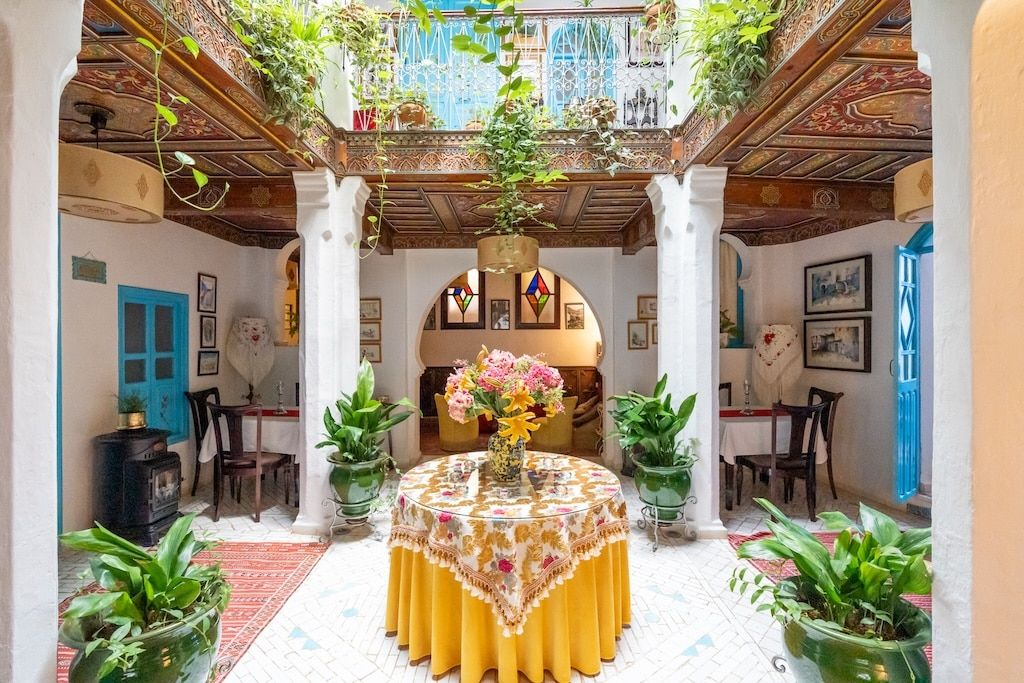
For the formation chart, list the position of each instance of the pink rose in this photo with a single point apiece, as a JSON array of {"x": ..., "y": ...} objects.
[
  {"x": 401, "y": 502},
  {"x": 498, "y": 511},
  {"x": 444, "y": 517},
  {"x": 505, "y": 566},
  {"x": 548, "y": 560}
]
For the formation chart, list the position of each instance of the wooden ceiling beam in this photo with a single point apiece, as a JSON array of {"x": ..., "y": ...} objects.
[
  {"x": 246, "y": 197},
  {"x": 851, "y": 200}
]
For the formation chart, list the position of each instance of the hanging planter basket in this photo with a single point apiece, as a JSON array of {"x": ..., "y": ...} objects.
[{"x": 507, "y": 254}]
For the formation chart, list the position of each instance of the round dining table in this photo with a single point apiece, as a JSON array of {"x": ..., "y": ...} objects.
[{"x": 521, "y": 579}]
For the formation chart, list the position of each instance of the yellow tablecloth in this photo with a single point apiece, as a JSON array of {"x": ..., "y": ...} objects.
[{"x": 574, "y": 627}]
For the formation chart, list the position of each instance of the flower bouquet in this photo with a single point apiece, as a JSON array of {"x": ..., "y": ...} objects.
[{"x": 499, "y": 385}]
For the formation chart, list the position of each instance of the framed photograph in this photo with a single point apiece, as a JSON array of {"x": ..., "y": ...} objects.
[
  {"x": 431, "y": 322},
  {"x": 574, "y": 317},
  {"x": 370, "y": 352},
  {"x": 838, "y": 286},
  {"x": 206, "y": 293},
  {"x": 538, "y": 304},
  {"x": 369, "y": 332},
  {"x": 654, "y": 333},
  {"x": 840, "y": 344},
  {"x": 637, "y": 331},
  {"x": 209, "y": 363},
  {"x": 207, "y": 332},
  {"x": 501, "y": 314},
  {"x": 647, "y": 307},
  {"x": 369, "y": 309}
]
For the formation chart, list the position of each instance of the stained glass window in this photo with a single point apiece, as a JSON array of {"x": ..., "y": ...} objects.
[
  {"x": 462, "y": 303},
  {"x": 537, "y": 303}
]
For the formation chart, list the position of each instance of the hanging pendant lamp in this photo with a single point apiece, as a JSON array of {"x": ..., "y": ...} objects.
[
  {"x": 507, "y": 254},
  {"x": 912, "y": 193},
  {"x": 105, "y": 186}
]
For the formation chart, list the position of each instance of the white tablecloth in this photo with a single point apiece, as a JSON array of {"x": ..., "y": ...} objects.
[
  {"x": 752, "y": 435},
  {"x": 280, "y": 435}
]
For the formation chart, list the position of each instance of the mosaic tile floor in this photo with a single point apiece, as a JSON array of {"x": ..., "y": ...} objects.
[{"x": 686, "y": 626}]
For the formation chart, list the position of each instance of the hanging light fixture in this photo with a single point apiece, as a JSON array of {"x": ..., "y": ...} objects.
[
  {"x": 106, "y": 186},
  {"x": 507, "y": 254},
  {"x": 912, "y": 193}
]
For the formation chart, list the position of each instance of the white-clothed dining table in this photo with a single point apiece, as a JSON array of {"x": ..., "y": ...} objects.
[
  {"x": 752, "y": 435},
  {"x": 281, "y": 434}
]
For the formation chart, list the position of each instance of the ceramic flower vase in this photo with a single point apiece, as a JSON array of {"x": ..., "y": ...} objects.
[{"x": 505, "y": 458}]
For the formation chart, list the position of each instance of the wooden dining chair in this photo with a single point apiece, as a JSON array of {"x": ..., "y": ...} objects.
[
  {"x": 199, "y": 405},
  {"x": 828, "y": 425},
  {"x": 235, "y": 462},
  {"x": 796, "y": 462}
]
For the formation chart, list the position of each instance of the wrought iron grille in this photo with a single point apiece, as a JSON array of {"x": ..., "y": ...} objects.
[{"x": 569, "y": 57}]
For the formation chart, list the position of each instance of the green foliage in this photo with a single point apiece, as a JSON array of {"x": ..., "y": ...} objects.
[
  {"x": 592, "y": 117},
  {"x": 362, "y": 421},
  {"x": 287, "y": 43},
  {"x": 653, "y": 425},
  {"x": 131, "y": 403},
  {"x": 856, "y": 587},
  {"x": 142, "y": 590},
  {"x": 726, "y": 325}
]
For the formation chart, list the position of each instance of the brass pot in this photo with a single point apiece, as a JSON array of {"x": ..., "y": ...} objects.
[
  {"x": 507, "y": 254},
  {"x": 412, "y": 115},
  {"x": 135, "y": 420}
]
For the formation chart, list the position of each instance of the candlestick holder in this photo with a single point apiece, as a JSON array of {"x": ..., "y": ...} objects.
[
  {"x": 280, "y": 399},
  {"x": 746, "y": 401}
]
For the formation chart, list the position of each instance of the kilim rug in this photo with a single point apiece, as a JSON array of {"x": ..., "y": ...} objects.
[
  {"x": 262, "y": 576},
  {"x": 779, "y": 569}
]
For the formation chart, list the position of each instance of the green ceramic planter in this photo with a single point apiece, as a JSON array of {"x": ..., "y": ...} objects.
[
  {"x": 357, "y": 485},
  {"x": 665, "y": 489},
  {"x": 184, "y": 652},
  {"x": 817, "y": 655}
]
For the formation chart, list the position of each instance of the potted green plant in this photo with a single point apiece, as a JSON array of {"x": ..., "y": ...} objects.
[
  {"x": 727, "y": 329},
  {"x": 131, "y": 411},
  {"x": 157, "y": 617},
  {"x": 360, "y": 464},
  {"x": 843, "y": 613},
  {"x": 648, "y": 430}
]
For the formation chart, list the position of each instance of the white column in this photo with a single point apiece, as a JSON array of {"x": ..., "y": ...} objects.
[
  {"x": 688, "y": 220},
  {"x": 943, "y": 38},
  {"x": 31, "y": 81},
  {"x": 329, "y": 219}
]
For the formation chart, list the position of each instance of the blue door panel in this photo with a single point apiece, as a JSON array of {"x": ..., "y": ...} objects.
[{"x": 907, "y": 370}]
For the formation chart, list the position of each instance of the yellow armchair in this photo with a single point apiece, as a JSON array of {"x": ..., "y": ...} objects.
[
  {"x": 555, "y": 435},
  {"x": 454, "y": 436}
]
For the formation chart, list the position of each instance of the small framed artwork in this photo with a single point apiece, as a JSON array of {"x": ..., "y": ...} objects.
[
  {"x": 207, "y": 332},
  {"x": 369, "y": 309},
  {"x": 647, "y": 307},
  {"x": 206, "y": 293},
  {"x": 209, "y": 363},
  {"x": 654, "y": 333},
  {"x": 369, "y": 331},
  {"x": 840, "y": 344},
  {"x": 431, "y": 322},
  {"x": 574, "y": 317},
  {"x": 838, "y": 286},
  {"x": 370, "y": 352},
  {"x": 637, "y": 330},
  {"x": 501, "y": 314}
]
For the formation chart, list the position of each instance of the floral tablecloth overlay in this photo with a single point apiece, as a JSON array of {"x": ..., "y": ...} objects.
[{"x": 509, "y": 546}]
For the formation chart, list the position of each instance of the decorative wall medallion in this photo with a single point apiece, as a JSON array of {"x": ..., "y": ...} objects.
[
  {"x": 826, "y": 198},
  {"x": 260, "y": 195},
  {"x": 771, "y": 195},
  {"x": 880, "y": 199},
  {"x": 925, "y": 184},
  {"x": 142, "y": 186},
  {"x": 92, "y": 173}
]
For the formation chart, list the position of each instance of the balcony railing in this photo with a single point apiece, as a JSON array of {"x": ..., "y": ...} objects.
[{"x": 570, "y": 56}]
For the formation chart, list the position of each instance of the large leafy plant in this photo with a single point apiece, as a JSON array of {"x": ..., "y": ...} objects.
[
  {"x": 355, "y": 435},
  {"x": 652, "y": 425},
  {"x": 142, "y": 590},
  {"x": 856, "y": 587}
]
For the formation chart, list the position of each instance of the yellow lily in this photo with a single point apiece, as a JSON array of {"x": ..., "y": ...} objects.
[
  {"x": 519, "y": 400},
  {"x": 483, "y": 354},
  {"x": 517, "y": 426},
  {"x": 550, "y": 410},
  {"x": 488, "y": 415}
]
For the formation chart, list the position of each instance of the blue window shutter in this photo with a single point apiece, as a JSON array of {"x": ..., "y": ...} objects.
[{"x": 907, "y": 368}]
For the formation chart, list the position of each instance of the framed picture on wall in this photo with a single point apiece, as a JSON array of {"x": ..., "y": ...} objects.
[
  {"x": 370, "y": 352},
  {"x": 637, "y": 335},
  {"x": 207, "y": 332},
  {"x": 575, "y": 318},
  {"x": 838, "y": 286},
  {"x": 369, "y": 331},
  {"x": 209, "y": 363},
  {"x": 369, "y": 309},
  {"x": 647, "y": 307},
  {"x": 206, "y": 293},
  {"x": 538, "y": 300},
  {"x": 431, "y": 322},
  {"x": 501, "y": 314},
  {"x": 839, "y": 344},
  {"x": 654, "y": 333}
]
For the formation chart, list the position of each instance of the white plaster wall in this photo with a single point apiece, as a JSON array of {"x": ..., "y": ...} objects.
[
  {"x": 927, "y": 322},
  {"x": 863, "y": 448},
  {"x": 166, "y": 256},
  {"x": 734, "y": 366}
]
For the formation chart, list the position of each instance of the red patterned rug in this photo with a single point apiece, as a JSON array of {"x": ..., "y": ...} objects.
[
  {"x": 779, "y": 569},
  {"x": 262, "y": 576}
]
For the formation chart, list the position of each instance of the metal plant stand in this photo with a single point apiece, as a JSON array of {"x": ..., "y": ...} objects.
[
  {"x": 343, "y": 521},
  {"x": 650, "y": 516}
]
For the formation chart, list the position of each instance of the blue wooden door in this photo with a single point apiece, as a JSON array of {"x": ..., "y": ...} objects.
[{"x": 907, "y": 371}]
